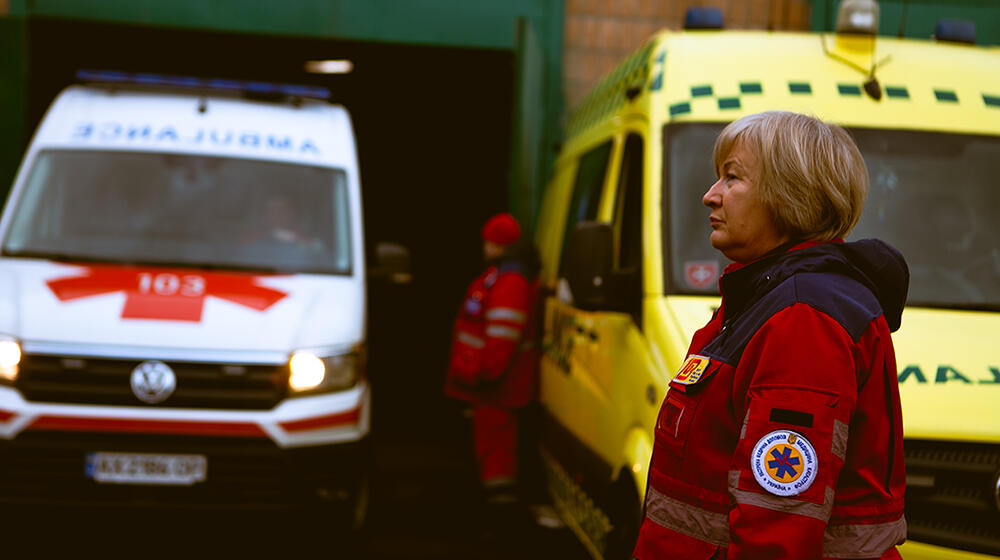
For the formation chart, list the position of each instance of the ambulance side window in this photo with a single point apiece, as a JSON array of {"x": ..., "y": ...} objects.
[
  {"x": 628, "y": 229},
  {"x": 587, "y": 190}
]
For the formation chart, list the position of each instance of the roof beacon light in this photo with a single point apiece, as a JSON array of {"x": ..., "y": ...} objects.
[
  {"x": 858, "y": 16},
  {"x": 955, "y": 31},
  {"x": 340, "y": 66},
  {"x": 189, "y": 82},
  {"x": 703, "y": 18}
]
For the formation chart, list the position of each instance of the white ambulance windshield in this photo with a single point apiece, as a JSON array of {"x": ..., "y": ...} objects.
[
  {"x": 183, "y": 210},
  {"x": 931, "y": 196}
]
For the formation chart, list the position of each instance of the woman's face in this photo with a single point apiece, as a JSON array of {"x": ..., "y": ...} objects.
[{"x": 743, "y": 229}]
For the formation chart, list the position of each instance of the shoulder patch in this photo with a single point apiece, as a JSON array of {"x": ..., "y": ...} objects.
[
  {"x": 784, "y": 463},
  {"x": 692, "y": 370}
]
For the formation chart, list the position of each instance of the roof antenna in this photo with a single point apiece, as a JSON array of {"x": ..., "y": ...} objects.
[
  {"x": 902, "y": 21},
  {"x": 859, "y": 18},
  {"x": 871, "y": 85}
]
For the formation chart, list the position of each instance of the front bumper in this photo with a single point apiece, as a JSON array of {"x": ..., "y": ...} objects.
[
  {"x": 306, "y": 450},
  {"x": 912, "y": 550}
]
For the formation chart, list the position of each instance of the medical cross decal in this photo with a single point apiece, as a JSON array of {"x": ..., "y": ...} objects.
[
  {"x": 783, "y": 463},
  {"x": 162, "y": 293}
]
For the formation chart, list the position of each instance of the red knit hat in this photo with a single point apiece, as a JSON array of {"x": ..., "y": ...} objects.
[{"x": 502, "y": 229}]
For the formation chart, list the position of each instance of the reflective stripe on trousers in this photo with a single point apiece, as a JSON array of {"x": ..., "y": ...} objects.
[
  {"x": 839, "y": 541},
  {"x": 470, "y": 340},
  {"x": 501, "y": 331}
]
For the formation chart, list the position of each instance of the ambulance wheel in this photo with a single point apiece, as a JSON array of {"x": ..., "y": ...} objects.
[
  {"x": 360, "y": 502},
  {"x": 343, "y": 523},
  {"x": 344, "y": 509},
  {"x": 625, "y": 512}
]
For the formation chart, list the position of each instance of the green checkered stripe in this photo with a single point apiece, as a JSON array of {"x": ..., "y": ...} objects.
[
  {"x": 609, "y": 95},
  {"x": 892, "y": 93}
]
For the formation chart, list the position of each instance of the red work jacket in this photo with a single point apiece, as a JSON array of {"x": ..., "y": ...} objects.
[
  {"x": 781, "y": 436},
  {"x": 493, "y": 352}
]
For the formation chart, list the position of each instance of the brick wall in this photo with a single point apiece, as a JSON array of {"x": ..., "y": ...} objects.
[{"x": 601, "y": 33}]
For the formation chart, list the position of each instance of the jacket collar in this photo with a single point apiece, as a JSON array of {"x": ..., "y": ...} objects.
[{"x": 742, "y": 283}]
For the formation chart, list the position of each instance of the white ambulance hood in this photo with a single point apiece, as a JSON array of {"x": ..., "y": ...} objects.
[{"x": 177, "y": 309}]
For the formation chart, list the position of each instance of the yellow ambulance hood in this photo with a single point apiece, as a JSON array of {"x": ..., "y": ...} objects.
[
  {"x": 949, "y": 374},
  {"x": 948, "y": 364}
]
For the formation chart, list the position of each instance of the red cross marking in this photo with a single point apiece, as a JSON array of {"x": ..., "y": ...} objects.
[{"x": 169, "y": 294}]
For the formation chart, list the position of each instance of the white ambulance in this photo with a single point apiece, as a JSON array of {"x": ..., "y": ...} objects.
[{"x": 183, "y": 300}]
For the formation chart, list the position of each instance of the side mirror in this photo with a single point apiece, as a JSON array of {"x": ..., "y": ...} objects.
[
  {"x": 589, "y": 261},
  {"x": 392, "y": 264}
]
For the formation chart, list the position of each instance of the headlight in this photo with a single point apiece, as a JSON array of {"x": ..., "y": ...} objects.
[
  {"x": 10, "y": 359},
  {"x": 310, "y": 372}
]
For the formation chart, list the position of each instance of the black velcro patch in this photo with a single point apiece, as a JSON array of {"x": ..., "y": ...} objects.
[{"x": 793, "y": 417}]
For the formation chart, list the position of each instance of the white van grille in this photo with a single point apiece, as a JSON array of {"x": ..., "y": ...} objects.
[
  {"x": 62, "y": 379},
  {"x": 952, "y": 497}
]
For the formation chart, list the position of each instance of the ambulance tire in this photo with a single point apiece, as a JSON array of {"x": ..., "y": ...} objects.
[
  {"x": 348, "y": 519},
  {"x": 360, "y": 504},
  {"x": 625, "y": 512}
]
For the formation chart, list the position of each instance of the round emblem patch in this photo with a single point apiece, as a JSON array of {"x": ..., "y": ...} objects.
[{"x": 784, "y": 463}]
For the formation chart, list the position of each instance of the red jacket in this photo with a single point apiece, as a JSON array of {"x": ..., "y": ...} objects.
[
  {"x": 781, "y": 436},
  {"x": 493, "y": 351}
]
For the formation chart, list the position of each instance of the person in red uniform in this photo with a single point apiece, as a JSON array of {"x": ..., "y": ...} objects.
[
  {"x": 493, "y": 353},
  {"x": 781, "y": 434}
]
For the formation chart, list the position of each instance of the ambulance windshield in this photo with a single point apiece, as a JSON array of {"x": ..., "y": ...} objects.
[
  {"x": 183, "y": 210},
  {"x": 930, "y": 196}
]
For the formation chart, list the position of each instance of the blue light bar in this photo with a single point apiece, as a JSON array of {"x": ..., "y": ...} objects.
[
  {"x": 703, "y": 18},
  {"x": 190, "y": 82},
  {"x": 956, "y": 31}
]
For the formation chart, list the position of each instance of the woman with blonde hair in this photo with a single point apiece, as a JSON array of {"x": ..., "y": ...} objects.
[{"x": 781, "y": 434}]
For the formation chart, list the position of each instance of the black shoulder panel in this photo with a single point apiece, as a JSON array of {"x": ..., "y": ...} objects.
[{"x": 845, "y": 300}]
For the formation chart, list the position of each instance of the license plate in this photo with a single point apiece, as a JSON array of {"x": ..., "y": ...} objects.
[{"x": 146, "y": 468}]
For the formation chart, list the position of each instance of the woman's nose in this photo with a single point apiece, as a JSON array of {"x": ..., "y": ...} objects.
[{"x": 712, "y": 198}]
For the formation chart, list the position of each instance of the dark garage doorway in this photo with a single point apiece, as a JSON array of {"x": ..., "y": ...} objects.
[
  {"x": 433, "y": 130},
  {"x": 434, "y": 134}
]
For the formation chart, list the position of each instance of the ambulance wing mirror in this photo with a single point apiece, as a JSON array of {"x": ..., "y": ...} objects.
[
  {"x": 392, "y": 264},
  {"x": 588, "y": 266}
]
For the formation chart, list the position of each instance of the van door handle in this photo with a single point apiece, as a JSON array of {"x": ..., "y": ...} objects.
[{"x": 589, "y": 333}]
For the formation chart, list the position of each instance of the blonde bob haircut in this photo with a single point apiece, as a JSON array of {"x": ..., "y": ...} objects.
[{"x": 812, "y": 177}]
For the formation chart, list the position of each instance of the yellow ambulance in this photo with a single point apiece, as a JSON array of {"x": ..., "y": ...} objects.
[{"x": 630, "y": 275}]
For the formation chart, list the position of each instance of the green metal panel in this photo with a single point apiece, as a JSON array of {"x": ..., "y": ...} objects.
[
  {"x": 483, "y": 24},
  {"x": 917, "y": 18},
  {"x": 529, "y": 109},
  {"x": 12, "y": 102}
]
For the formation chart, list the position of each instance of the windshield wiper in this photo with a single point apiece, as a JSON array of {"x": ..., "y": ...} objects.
[
  {"x": 993, "y": 307},
  {"x": 78, "y": 258}
]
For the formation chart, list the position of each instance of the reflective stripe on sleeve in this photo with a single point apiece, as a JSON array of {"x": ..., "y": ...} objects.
[
  {"x": 470, "y": 340},
  {"x": 839, "y": 445},
  {"x": 506, "y": 314},
  {"x": 863, "y": 541},
  {"x": 500, "y": 331},
  {"x": 780, "y": 503},
  {"x": 687, "y": 519},
  {"x": 839, "y": 541}
]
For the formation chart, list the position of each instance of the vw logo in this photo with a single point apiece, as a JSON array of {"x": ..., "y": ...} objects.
[{"x": 153, "y": 381}]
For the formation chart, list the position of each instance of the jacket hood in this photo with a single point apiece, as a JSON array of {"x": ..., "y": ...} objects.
[{"x": 872, "y": 262}]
